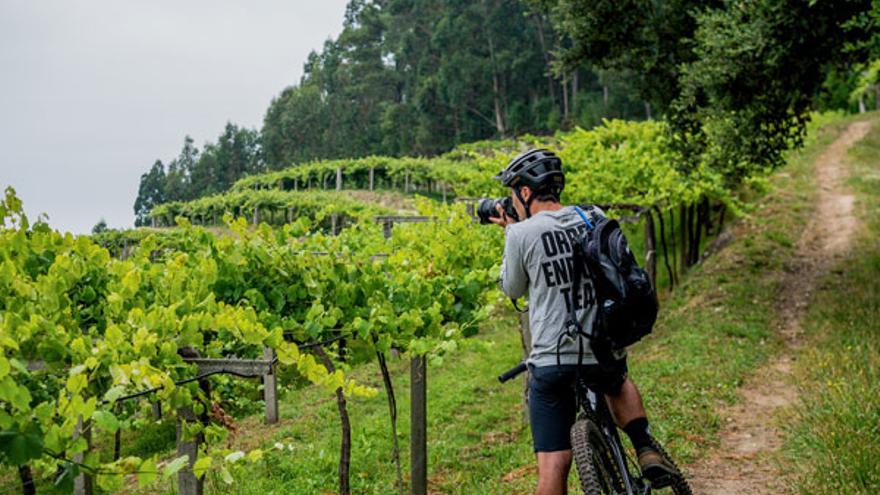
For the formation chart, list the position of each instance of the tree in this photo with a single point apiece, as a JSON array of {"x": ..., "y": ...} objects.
[
  {"x": 151, "y": 192},
  {"x": 99, "y": 227},
  {"x": 735, "y": 79}
]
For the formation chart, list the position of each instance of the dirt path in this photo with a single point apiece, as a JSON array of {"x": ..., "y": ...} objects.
[{"x": 744, "y": 463}]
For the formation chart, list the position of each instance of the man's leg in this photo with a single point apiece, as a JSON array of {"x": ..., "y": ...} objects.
[
  {"x": 553, "y": 470},
  {"x": 629, "y": 413},
  {"x": 627, "y": 404}
]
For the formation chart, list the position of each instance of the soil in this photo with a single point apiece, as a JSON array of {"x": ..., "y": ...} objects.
[{"x": 746, "y": 459}]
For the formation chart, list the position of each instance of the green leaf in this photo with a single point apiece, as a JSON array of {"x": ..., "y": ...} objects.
[
  {"x": 174, "y": 466},
  {"x": 225, "y": 476},
  {"x": 106, "y": 421},
  {"x": 147, "y": 472},
  {"x": 20, "y": 447},
  {"x": 76, "y": 383},
  {"x": 4, "y": 366},
  {"x": 202, "y": 465}
]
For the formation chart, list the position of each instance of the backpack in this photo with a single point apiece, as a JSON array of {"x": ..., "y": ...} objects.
[{"x": 626, "y": 304}]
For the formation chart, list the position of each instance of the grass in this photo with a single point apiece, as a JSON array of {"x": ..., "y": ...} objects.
[{"x": 831, "y": 444}]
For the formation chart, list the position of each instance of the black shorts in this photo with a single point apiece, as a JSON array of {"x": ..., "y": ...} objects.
[{"x": 552, "y": 407}]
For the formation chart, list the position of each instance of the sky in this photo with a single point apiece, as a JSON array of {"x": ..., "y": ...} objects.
[{"x": 93, "y": 92}]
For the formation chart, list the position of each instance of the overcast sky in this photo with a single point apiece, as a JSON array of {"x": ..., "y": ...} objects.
[{"x": 92, "y": 92}]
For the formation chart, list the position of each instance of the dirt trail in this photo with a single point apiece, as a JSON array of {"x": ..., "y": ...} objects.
[{"x": 744, "y": 464}]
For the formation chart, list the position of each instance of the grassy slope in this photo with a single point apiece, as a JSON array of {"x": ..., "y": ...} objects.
[
  {"x": 832, "y": 442},
  {"x": 713, "y": 331}
]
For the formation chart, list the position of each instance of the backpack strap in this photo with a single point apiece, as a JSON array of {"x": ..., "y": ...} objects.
[
  {"x": 583, "y": 217},
  {"x": 576, "y": 281}
]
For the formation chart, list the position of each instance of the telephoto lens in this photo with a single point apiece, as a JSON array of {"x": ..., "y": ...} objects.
[{"x": 486, "y": 209}]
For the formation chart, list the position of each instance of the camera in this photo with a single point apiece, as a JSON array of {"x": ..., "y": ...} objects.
[{"x": 487, "y": 210}]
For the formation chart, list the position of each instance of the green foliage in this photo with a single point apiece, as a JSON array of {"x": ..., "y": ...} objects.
[
  {"x": 736, "y": 79},
  {"x": 105, "y": 327}
]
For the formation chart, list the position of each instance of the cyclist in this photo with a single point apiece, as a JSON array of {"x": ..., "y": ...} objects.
[{"x": 537, "y": 260}]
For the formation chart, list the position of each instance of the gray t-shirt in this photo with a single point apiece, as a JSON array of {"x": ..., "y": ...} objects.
[{"x": 538, "y": 260}]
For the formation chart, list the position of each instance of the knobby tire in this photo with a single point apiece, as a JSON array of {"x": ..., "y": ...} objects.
[{"x": 597, "y": 471}]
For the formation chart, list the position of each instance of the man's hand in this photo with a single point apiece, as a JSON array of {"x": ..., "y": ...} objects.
[{"x": 502, "y": 219}]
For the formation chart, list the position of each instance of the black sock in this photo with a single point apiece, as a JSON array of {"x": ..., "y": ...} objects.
[{"x": 637, "y": 431}]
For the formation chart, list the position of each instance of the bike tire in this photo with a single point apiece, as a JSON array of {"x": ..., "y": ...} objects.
[
  {"x": 597, "y": 471},
  {"x": 679, "y": 485}
]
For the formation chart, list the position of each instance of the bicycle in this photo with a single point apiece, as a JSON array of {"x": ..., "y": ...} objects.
[{"x": 603, "y": 466}]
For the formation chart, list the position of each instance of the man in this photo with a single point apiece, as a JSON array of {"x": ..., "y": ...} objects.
[{"x": 537, "y": 260}]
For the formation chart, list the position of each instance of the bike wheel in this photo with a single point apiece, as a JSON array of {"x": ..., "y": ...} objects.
[{"x": 595, "y": 464}]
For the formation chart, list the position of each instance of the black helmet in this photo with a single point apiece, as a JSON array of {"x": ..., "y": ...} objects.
[{"x": 540, "y": 169}]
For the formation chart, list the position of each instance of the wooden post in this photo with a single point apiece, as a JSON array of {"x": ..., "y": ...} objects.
[
  {"x": 157, "y": 409},
  {"x": 187, "y": 482},
  {"x": 525, "y": 333},
  {"x": 419, "y": 425},
  {"x": 371, "y": 178},
  {"x": 334, "y": 219},
  {"x": 153, "y": 222},
  {"x": 270, "y": 388},
  {"x": 256, "y": 215},
  {"x": 650, "y": 249},
  {"x": 443, "y": 185},
  {"x": 386, "y": 228},
  {"x": 295, "y": 184},
  {"x": 82, "y": 485},
  {"x": 406, "y": 182},
  {"x": 338, "y": 178}
]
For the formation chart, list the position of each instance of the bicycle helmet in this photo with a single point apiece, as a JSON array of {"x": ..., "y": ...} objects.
[{"x": 540, "y": 169}]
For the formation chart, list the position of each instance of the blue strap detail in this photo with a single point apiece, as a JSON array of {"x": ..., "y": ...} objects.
[{"x": 584, "y": 217}]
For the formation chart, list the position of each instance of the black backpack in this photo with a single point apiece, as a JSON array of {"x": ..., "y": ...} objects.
[{"x": 626, "y": 304}]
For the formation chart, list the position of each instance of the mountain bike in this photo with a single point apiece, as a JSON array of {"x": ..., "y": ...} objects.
[{"x": 603, "y": 465}]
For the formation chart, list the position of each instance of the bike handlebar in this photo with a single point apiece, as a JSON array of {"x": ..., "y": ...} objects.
[{"x": 512, "y": 372}]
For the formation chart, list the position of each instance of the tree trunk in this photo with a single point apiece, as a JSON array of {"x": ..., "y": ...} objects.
[
  {"x": 565, "y": 97},
  {"x": 721, "y": 219},
  {"x": 650, "y": 248},
  {"x": 499, "y": 119},
  {"x": 605, "y": 98},
  {"x": 496, "y": 89},
  {"x": 691, "y": 234},
  {"x": 392, "y": 410},
  {"x": 550, "y": 87},
  {"x": 665, "y": 249},
  {"x": 683, "y": 238},
  {"x": 345, "y": 448},
  {"x": 574, "y": 92},
  {"x": 647, "y": 111},
  {"x": 672, "y": 244},
  {"x": 27, "y": 480}
]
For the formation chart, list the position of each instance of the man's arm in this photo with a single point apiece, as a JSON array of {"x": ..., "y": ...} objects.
[{"x": 514, "y": 278}]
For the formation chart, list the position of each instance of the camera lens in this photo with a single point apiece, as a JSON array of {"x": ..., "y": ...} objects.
[{"x": 487, "y": 209}]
